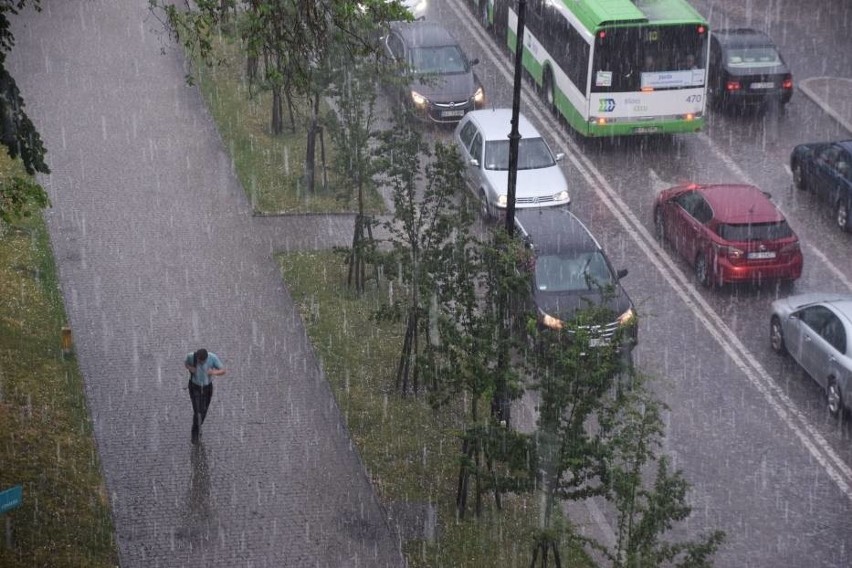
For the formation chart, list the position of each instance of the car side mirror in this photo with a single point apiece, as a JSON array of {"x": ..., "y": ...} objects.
[
  {"x": 474, "y": 61},
  {"x": 621, "y": 273},
  {"x": 474, "y": 162},
  {"x": 560, "y": 156}
]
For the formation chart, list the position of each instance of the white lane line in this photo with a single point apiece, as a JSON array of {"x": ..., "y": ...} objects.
[{"x": 783, "y": 406}]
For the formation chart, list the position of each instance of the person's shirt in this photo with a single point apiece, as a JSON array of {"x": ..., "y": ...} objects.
[{"x": 200, "y": 377}]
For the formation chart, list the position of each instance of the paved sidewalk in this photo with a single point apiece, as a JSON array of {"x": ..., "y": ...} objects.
[
  {"x": 833, "y": 95},
  {"x": 158, "y": 254}
]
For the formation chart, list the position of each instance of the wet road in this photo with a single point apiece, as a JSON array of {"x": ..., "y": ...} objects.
[{"x": 750, "y": 430}]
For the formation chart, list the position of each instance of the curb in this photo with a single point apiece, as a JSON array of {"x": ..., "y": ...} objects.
[{"x": 819, "y": 98}]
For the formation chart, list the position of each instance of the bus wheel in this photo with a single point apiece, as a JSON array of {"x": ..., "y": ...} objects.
[{"x": 547, "y": 89}]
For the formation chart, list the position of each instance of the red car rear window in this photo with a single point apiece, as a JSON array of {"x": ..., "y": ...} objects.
[{"x": 755, "y": 231}]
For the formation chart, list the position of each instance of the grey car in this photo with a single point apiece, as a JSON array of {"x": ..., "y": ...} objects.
[
  {"x": 816, "y": 330},
  {"x": 482, "y": 140}
]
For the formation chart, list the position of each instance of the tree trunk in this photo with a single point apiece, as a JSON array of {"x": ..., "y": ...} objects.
[
  {"x": 277, "y": 125},
  {"x": 310, "y": 153}
]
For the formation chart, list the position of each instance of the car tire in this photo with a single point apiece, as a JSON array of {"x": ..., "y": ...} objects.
[
  {"x": 547, "y": 90},
  {"x": 776, "y": 336},
  {"x": 841, "y": 215},
  {"x": 702, "y": 271},
  {"x": 659, "y": 230},
  {"x": 834, "y": 399},
  {"x": 485, "y": 207},
  {"x": 798, "y": 177},
  {"x": 483, "y": 14}
]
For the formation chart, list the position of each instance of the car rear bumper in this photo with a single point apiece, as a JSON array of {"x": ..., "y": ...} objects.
[
  {"x": 729, "y": 273},
  {"x": 757, "y": 98}
]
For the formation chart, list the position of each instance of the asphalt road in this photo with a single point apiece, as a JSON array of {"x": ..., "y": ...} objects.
[{"x": 749, "y": 429}]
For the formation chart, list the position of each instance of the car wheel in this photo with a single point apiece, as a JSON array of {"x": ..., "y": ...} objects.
[
  {"x": 483, "y": 14},
  {"x": 702, "y": 271},
  {"x": 834, "y": 400},
  {"x": 547, "y": 90},
  {"x": 841, "y": 215},
  {"x": 776, "y": 336},
  {"x": 659, "y": 231},
  {"x": 798, "y": 179},
  {"x": 485, "y": 207}
]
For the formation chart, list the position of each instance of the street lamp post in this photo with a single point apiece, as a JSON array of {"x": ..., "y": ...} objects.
[
  {"x": 500, "y": 405},
  {"x": 515, "y": 135}
]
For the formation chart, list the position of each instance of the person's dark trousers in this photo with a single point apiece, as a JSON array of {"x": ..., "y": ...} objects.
[{"x": 200, "y": 397}]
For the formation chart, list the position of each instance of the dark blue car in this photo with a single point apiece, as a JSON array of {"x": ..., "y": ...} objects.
[{"x": 825, "y": 169}]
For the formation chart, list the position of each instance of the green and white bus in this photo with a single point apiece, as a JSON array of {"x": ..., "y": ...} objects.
[{"x": 616, "y": 67}]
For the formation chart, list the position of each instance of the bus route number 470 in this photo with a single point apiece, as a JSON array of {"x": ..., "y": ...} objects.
[{"x": 694, "y": 98}]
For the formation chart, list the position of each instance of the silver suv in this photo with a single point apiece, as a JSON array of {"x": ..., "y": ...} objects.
[{"x": 481, "y": 138}]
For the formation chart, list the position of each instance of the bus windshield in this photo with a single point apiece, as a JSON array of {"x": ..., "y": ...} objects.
[{"x": 656, "y": 57}]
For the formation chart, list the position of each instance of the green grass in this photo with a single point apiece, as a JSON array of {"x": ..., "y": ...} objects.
[
  {"x": 409, "y": 450},
  {"x": 46, "y": 439},
  {"x": 270, "y": 167}
]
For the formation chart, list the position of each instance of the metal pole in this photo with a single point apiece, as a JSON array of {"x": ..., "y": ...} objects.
[{"x": 515, "y": 135}]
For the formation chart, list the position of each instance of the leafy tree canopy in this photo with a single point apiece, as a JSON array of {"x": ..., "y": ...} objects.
[{"x": 18, "y": 193}]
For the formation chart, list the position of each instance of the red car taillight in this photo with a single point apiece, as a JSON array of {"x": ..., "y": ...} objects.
[
  {"x": 787, "y": 83},
  {"x": 791, "y": 248},
  {"x": 733, "y": 86},
  {"x": 732, "y": 253}
]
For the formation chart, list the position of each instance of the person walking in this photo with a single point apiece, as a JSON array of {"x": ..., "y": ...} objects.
[{"x": 202, "y": 366}]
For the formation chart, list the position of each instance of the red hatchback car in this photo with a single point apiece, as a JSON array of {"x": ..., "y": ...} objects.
[{"x": 730, "y": 233}]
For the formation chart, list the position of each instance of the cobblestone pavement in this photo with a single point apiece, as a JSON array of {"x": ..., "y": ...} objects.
[{"x": 158, "y": 255}]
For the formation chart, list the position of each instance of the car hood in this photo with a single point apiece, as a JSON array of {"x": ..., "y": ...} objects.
[
  {"x": 564, "y": 305},
  {"x": 530, "y": 183},
  {"x": 790, "y": 304},
  {"x": 455, "y": 87}
]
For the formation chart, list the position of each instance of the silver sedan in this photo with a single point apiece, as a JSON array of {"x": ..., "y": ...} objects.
[{"x": 816, "y": 330}]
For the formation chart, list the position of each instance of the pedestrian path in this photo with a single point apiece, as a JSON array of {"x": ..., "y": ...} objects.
[{"x": 158, "y": 255}]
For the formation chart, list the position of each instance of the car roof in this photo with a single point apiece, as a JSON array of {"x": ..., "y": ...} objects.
[
  {"x": 495, "y": 124},
  {"x": 742, "y": 37},
  {"x": 421, "y": 33},
  {"x": 844, "y": 306},
  {"x": 554, "y": 230},
  {"x": 733, "y": 203}
]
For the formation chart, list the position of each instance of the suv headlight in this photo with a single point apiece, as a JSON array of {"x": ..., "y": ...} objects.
[
  {"x": 479, "y": 96},
  {"x": 418, "y": 99},
  {"x": 551, "y": 322},
  {"x": 627, "y": 318}
]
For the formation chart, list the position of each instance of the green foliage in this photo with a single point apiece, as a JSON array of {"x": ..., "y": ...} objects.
[
  {"x": 19, "y": 192},
  {"x": 46, "y": 438}
]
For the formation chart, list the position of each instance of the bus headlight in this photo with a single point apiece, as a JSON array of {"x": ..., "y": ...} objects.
[
  {"x": 479, "y": 96},
  {"x": 418, "y": 99}
]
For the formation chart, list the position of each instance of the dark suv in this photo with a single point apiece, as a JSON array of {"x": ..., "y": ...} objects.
[
  {"x": 439, "y": 84},
  {"x": 746, "y": 68},
  {"x": 571, "y": 272}
]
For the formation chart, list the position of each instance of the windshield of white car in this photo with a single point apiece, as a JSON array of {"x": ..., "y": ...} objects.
[
  {"x": 533, "y": 154},
  {"x": 442, "y": 60},
  {"x": 565, "y": 273}
]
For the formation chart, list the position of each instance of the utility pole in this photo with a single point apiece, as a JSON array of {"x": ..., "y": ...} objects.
[
  {"x": 500, "y": 404},
  {"x": 515, "y": 135}
]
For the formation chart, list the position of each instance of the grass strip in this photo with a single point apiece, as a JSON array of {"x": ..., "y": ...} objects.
[{"x": 46, "y": 440}]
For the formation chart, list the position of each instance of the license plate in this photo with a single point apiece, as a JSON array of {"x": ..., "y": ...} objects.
[
  {"x": 646, "y": 129},
  {"x": 448, "y": 113},
  {"x": 761, "y": 255},
  {"x": 598, "y": 342},
  {"x": 767, "y": 85}
]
